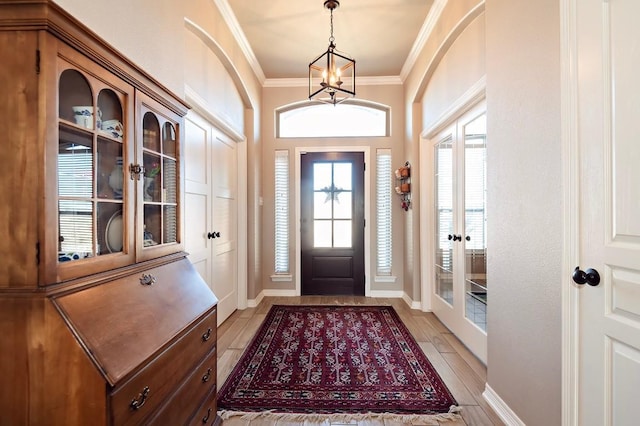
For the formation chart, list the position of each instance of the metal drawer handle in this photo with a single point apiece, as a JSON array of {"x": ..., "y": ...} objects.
[
  {"x": 137, "y": 403},
  {"x": 147, "y": 279},
  {"x": 206, "y": 336},
  {"x": 205, "y": 419},
  {"x": 207, "y": 376}
]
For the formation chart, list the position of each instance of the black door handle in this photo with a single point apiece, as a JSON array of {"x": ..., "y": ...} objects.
[
  {"x": 590, "y": 276},
  {"x": 212, "y": 235}
]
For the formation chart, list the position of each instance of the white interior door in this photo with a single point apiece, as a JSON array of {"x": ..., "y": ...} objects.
[
  {"x": 211, "y": 210},
  {"x": 608, "y": 143},
  {"x": 225, "y": 225},
  {"x": 459, "y": 189}
]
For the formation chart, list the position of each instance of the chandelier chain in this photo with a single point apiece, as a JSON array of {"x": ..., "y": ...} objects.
[{"x": 332, "y": 39}]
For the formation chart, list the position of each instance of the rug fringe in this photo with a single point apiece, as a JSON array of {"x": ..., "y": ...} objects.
[{"x": 452, "y": 415}]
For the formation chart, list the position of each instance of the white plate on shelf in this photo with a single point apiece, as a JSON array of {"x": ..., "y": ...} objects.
[{"x": 113, "y": 233}]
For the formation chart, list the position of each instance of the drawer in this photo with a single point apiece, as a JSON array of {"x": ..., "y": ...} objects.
[
  {"x": 138, "y": 398},
  {"x": 207, "y": 414},
  {"x": 190, "y": 396}
]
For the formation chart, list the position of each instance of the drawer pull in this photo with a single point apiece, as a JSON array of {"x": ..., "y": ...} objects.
[
  {"x": 205, "y": 419},
  {"x": 136, "y": 404},
  {"x": 147, "y": 279},
  {"x": 207, "y": 376},
  {"x": 206, "y": 336}
]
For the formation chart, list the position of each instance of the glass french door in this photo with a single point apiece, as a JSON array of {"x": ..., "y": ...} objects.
[{"x": 460, "y": 255}]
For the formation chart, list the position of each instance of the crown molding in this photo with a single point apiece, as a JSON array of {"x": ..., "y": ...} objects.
[
  {"x": 360, "y": 81},
  {"x": 423, "y": 36},
  {"x": 232, "y": 22}
]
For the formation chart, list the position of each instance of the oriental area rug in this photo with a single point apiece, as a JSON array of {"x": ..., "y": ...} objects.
[{"x": 342, "y": 363}]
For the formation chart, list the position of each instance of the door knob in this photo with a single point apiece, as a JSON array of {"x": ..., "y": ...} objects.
[
  {"x": 457, "y": 237},
  {"x": 450, "y": 237},
  {"x": 590, "y": 276},
  {"x": 212, "y": 235}
]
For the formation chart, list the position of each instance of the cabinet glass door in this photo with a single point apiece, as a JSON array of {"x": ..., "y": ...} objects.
[
  {"x": 90, "y": 169},
  {"x": 160, "y": 180}
]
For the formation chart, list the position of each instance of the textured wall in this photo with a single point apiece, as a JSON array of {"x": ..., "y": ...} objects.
[{"x": 524, "y": 204}]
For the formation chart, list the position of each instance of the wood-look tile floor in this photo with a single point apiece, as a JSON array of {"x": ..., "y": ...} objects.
[{"x": 462, "y": 372}]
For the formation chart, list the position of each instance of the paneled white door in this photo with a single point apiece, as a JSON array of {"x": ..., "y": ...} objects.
[
  {"x": 607, "y": 114},
  {"x": 211, "y": 209}
]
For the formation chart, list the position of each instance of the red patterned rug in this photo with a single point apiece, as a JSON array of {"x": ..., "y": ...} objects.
[{"x": 313, "y": 361}]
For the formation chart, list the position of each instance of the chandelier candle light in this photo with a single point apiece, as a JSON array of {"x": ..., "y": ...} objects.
[{"x": 332, "y": 73}]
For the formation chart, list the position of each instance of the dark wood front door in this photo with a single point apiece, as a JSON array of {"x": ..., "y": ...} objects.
[{"x": 332, "y": 223}]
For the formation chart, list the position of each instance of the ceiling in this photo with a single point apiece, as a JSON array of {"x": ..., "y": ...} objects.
[{"x": 286, "y": 35}]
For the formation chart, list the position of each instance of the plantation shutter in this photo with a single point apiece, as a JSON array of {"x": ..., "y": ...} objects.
[
  {"x": 383, "y": 211},
  {"x": 282, "y": 211}
]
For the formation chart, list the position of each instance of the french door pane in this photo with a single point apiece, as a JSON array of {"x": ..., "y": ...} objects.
[
  {"x": 475, "y": 219},
  {"x": 444, "y": 218}
]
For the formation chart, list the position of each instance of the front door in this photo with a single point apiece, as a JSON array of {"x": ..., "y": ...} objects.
[
  {"x": 332, "y": 223},
  {"x": 607, "y": 107}
]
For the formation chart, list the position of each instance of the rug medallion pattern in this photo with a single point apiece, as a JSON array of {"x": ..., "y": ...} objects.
[{"x": 334, "y": 359}]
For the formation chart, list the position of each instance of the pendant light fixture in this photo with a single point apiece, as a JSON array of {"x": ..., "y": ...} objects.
[{"x": 332, "y": 73}]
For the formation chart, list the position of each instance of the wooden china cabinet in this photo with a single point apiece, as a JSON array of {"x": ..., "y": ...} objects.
[{"x": 103, "y": 319}]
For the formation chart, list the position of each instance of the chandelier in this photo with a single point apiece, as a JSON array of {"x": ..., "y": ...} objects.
[{"x": 332, "y": 73}]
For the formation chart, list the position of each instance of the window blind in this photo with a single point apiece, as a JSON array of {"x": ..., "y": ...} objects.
[
  {"x": 75, "y": 179},
  {"x": 383, "y": 211},
  {"x": 282, "y": 211}
]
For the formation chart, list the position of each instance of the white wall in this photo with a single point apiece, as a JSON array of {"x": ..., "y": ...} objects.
[
  {"x": 147, "y": 32},
  {"x": 524, "y": 204}
]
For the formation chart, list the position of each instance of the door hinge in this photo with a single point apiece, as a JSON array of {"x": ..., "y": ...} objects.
[
  {"x": 364, "y": 166},
  {"x": 38, "y": 253},
  {"x": 365, "y": 222},
  {"x": 37, "y": 61}
]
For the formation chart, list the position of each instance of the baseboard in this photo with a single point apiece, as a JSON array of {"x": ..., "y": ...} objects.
[
  {"x": 253, "y": 303},
  {"x": 501, "y": 408}
]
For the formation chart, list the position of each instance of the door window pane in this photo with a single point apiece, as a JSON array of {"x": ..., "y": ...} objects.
[
  {"x": 342, "y": 205},
  {"x": 444, "y": 218},
  {"x": 321, "y": 233},
  {"x": 342, "y": 176},
  {"x": 342, "y": 233},
  {"x": 321, "y": 205},
  {"x": 321, "y": 176}
]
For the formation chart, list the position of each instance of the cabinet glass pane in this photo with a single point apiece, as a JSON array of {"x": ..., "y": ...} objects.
[
  {"x": 151, "y": 132},
  {"x": 169, "y": 181},
  {"x": 75, "y": 104},
  {"x": 152, "y": 177},
  {"x": 169, "y": 140},
  {"x": 443, "y": 168},
  {"x": 110, "y": 228},
  {"x": 170, "y": 219},
  {"x": 475, "y": 240},
  {"x": 110, "y": 172},
  {"x": 152, "y": 225},
  {"x": 75, "y": 224},
  {"x": 110, "y": 111}
]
